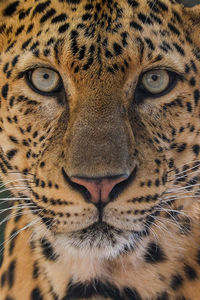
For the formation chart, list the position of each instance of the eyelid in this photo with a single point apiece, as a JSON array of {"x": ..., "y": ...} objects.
[
  {"x": 32, "y": 67},
  {"x": 165, "y": 68}
]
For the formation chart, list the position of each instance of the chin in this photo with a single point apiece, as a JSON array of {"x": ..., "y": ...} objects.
[{"x": 100, "y": 241}]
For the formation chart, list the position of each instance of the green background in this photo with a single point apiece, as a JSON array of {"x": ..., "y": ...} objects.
[{"x": 3, "y": 215}]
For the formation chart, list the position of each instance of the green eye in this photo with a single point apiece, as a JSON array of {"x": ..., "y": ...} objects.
[
  {"x": 44, "y": 80},
  {"x": 156, "y": 81}
]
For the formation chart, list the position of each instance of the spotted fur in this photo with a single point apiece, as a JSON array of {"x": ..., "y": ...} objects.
[{"x": 142, "y": 244}]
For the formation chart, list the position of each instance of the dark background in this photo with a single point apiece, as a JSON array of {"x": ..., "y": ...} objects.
[{"x": 189, "y": 2}]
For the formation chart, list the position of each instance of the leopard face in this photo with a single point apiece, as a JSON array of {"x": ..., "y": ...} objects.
[
  {"x": 98, "y": 149},
  {"x": 99, "y": 127}
]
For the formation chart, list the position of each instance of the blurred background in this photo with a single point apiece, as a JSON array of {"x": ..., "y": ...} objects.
[{"x": 189, "y": 3}]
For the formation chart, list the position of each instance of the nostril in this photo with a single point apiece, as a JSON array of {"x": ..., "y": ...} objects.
[
  {"x": 99, "y": 188},
  {"x": 85, "y": 193}
]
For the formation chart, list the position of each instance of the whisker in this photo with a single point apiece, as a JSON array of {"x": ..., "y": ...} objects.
[
  {"x": 17, "y": 232},
  {"x": 16, "y": 214},
  {"x": 12, "y": 181},
  {"x": 193, "y": 161},
  {"x": 18, "y": 206},
  {"x": 182, "y": 188},
  {"x": 186, "y": 175}
]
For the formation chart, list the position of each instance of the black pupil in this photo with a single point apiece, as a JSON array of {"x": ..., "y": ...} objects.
[
  {"x": 46, "y": 76},
  {"x": 154, "y": 77}
]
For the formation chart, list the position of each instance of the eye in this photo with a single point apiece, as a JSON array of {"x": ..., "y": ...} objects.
[
  {"x": 44, "y": 80},
  {"x": 155, "y": 81}
]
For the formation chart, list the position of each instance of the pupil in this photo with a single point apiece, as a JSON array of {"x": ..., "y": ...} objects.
[
  {"x": 154, "y": 77},
  {"x": 46, "y": 76}
]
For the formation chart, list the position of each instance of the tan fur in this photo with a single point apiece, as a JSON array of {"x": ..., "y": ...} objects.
[{"x": 100, "y": 125}]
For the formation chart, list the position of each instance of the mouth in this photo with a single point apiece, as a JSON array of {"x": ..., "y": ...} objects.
[{"x": 103, "y": 240}]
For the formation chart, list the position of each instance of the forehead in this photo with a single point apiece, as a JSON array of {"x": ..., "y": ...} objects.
[
  {"x": 92, "y": 18},
  {"x": 77, "y": 33}
]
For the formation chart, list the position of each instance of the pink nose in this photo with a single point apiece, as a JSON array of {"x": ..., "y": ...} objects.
[{"x": 99, "y": 189}]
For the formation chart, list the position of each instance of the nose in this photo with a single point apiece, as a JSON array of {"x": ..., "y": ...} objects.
[{"x": 99, "y": 188}]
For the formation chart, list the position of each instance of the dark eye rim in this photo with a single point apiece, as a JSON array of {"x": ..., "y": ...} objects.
[
  {"x": 54, "y": 93},
  {"x": 142, "y": 93}
]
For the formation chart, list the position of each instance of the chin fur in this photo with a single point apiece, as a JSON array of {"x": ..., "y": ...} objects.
[{"x": 100, "y": 241}]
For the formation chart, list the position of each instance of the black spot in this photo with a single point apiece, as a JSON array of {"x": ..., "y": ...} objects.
[
  {"x": 196, "y": 97},
  {"x": 96, "y": 288},
  {"x": 192, "y": 81},
  {"x": 15, "y": 60},
  {"x": 145, "y": 19},
  {"x": 35, "y": 270},
  {"x": 18, "y": 215},
  {"x": 73, "y": 37},
  {"x": 136, "y": 26},
  {"x": 59, "y": 18},
  {"x": 11, "y": 9},
  {"x": 189, "y": 107},
  {"x": 176, "y": 281},
  {"x": 41, "y": 7},
  {"x": 131, "y": 294},
  {"x": 133, "y": 3},
  {"x": 117, "y": 49},
  {"x": 163, "y": 296},
  {"x": 48, "y": 15},
  {"x": 196, "y": 149},
  {"x": 154, "y": 254},
  {"x": 181, "y": 147},
  {"x": 11, "y": 273},
  {"x": 47, "y": 249},
  {"x": 42, "y": 164},
  {"x": 108, "y": 54},
  {"x": 63, "y": 28},
  {"x": 19, "y": 30},
  {"x": 86, "y": 17},
  {"x": 179, "y": 49},
  {"x": 36, "y": 294},
  {"x": 5, "y": 69},
  {"x": 173, "y": 29},
  {"x": 162, "y": 5},
  {"x": 4, "y": 91},
  {"x": 30, "y": 27},
  {"x": 46, "y": 52},
  {"x": 34, "y": 45},
  {"x": 12, "y": 241},
  {"x": 190, "y": 272},
  {"x": 26, "y": 43},
  {"x": 13, "y": 139},
  {"x": 156, "y": 19},
  {"x": 3, "y": 278},
  {"x": 82, "y": 53},
  {"x": 149, "y": 43}
]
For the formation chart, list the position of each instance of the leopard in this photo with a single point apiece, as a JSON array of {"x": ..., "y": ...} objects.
[{"x": 100, "y": 149}]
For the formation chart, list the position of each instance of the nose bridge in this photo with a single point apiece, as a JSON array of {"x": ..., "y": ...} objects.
[{"x": 98, "y": 144}]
